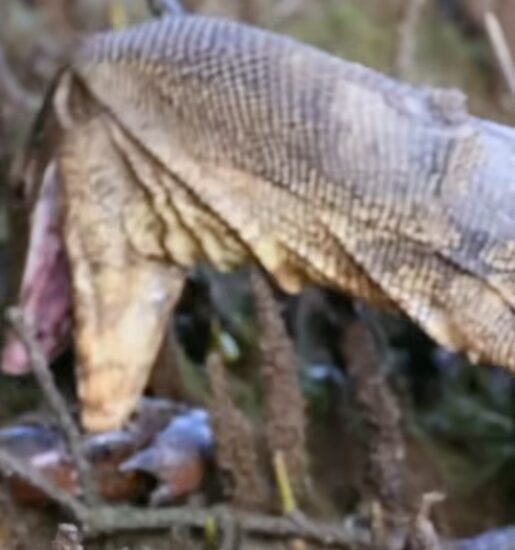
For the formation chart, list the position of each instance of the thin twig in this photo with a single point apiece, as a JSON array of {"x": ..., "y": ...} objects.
[
  {"x": 230, "y": 533},
  {"x": 501, "y": 49},
  {"x": 112, "y": 520},
  {"x": 10, "y": 465},
  {"x": 42, "y": 373},
  {"x": 106, "y": 520},
  {"x": 407, "y": 38},
  {"x": 166, "y": 7},
  {"x": 422, "y": 534}
]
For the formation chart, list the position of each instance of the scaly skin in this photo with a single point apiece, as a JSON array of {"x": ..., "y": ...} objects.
[{"x": 192, "y": 138}]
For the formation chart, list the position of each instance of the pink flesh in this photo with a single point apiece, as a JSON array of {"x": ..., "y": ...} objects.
[{"x": 45, "y": 291}]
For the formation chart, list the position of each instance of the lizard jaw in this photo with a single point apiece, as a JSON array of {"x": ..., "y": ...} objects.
[{"x": 45, "y": 296}]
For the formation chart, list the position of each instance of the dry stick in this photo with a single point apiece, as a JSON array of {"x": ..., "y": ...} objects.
[
  {"x": 105, "y": 520},
  {"x": 230, "y": 533},
  {"x": 407, "y": 38},
  {"x": 501, "y": 49},
  {"x": 10, "y": 465},
  {"x": 422, "y": 534},
  {"x": 42, "y": 373},
  {"x": 109, "y": 519},
  {"x": 112, "y": 520}
]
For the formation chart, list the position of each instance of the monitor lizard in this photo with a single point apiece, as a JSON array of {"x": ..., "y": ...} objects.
[{"x": 192, "y": 138}]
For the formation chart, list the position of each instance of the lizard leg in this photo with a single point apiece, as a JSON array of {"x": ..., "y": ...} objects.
[{"x": 124, "y": 285}]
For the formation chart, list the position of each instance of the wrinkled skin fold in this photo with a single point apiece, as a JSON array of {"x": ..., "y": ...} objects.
[
  {"x": 80, "y": 252},
  {"x": 122, "y": 299},
  {"x": 191, "y": 138}
]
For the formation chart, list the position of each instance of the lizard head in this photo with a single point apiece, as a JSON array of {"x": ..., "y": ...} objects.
[{"x": 86, "y": 276}]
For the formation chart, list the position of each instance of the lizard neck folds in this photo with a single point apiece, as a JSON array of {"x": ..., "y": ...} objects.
[{"x": 82, "y": 267}]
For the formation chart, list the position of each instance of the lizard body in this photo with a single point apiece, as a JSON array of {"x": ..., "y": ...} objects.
[{"x": 194, "y": 138}]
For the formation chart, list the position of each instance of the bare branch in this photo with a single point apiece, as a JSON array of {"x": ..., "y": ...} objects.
[
  {"x": 112, "y": 520},
  {"x": 501, "y": 49},
  {"x": 10, "y": 465},
  {"x": 422, "y": 534},
  {"x": 105, "y": 520},
  {"x": 42, "y": 373}
]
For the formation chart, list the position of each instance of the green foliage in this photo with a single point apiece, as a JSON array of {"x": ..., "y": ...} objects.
[{"x": 470, "y": 431}]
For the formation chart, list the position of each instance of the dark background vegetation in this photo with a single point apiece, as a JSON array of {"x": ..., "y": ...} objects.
[{"x": 459, "y": 418}]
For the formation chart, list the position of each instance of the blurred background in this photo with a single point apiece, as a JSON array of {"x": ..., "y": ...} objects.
[{"x": 459, "y": 418}]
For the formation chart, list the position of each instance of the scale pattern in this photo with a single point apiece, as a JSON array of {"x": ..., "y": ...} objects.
[{"x": 248, "y": 144}]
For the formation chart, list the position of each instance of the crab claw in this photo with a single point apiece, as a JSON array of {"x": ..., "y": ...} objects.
[
  {"x": 176, "y": 457},
  {"x": 43, "y": 447}
]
